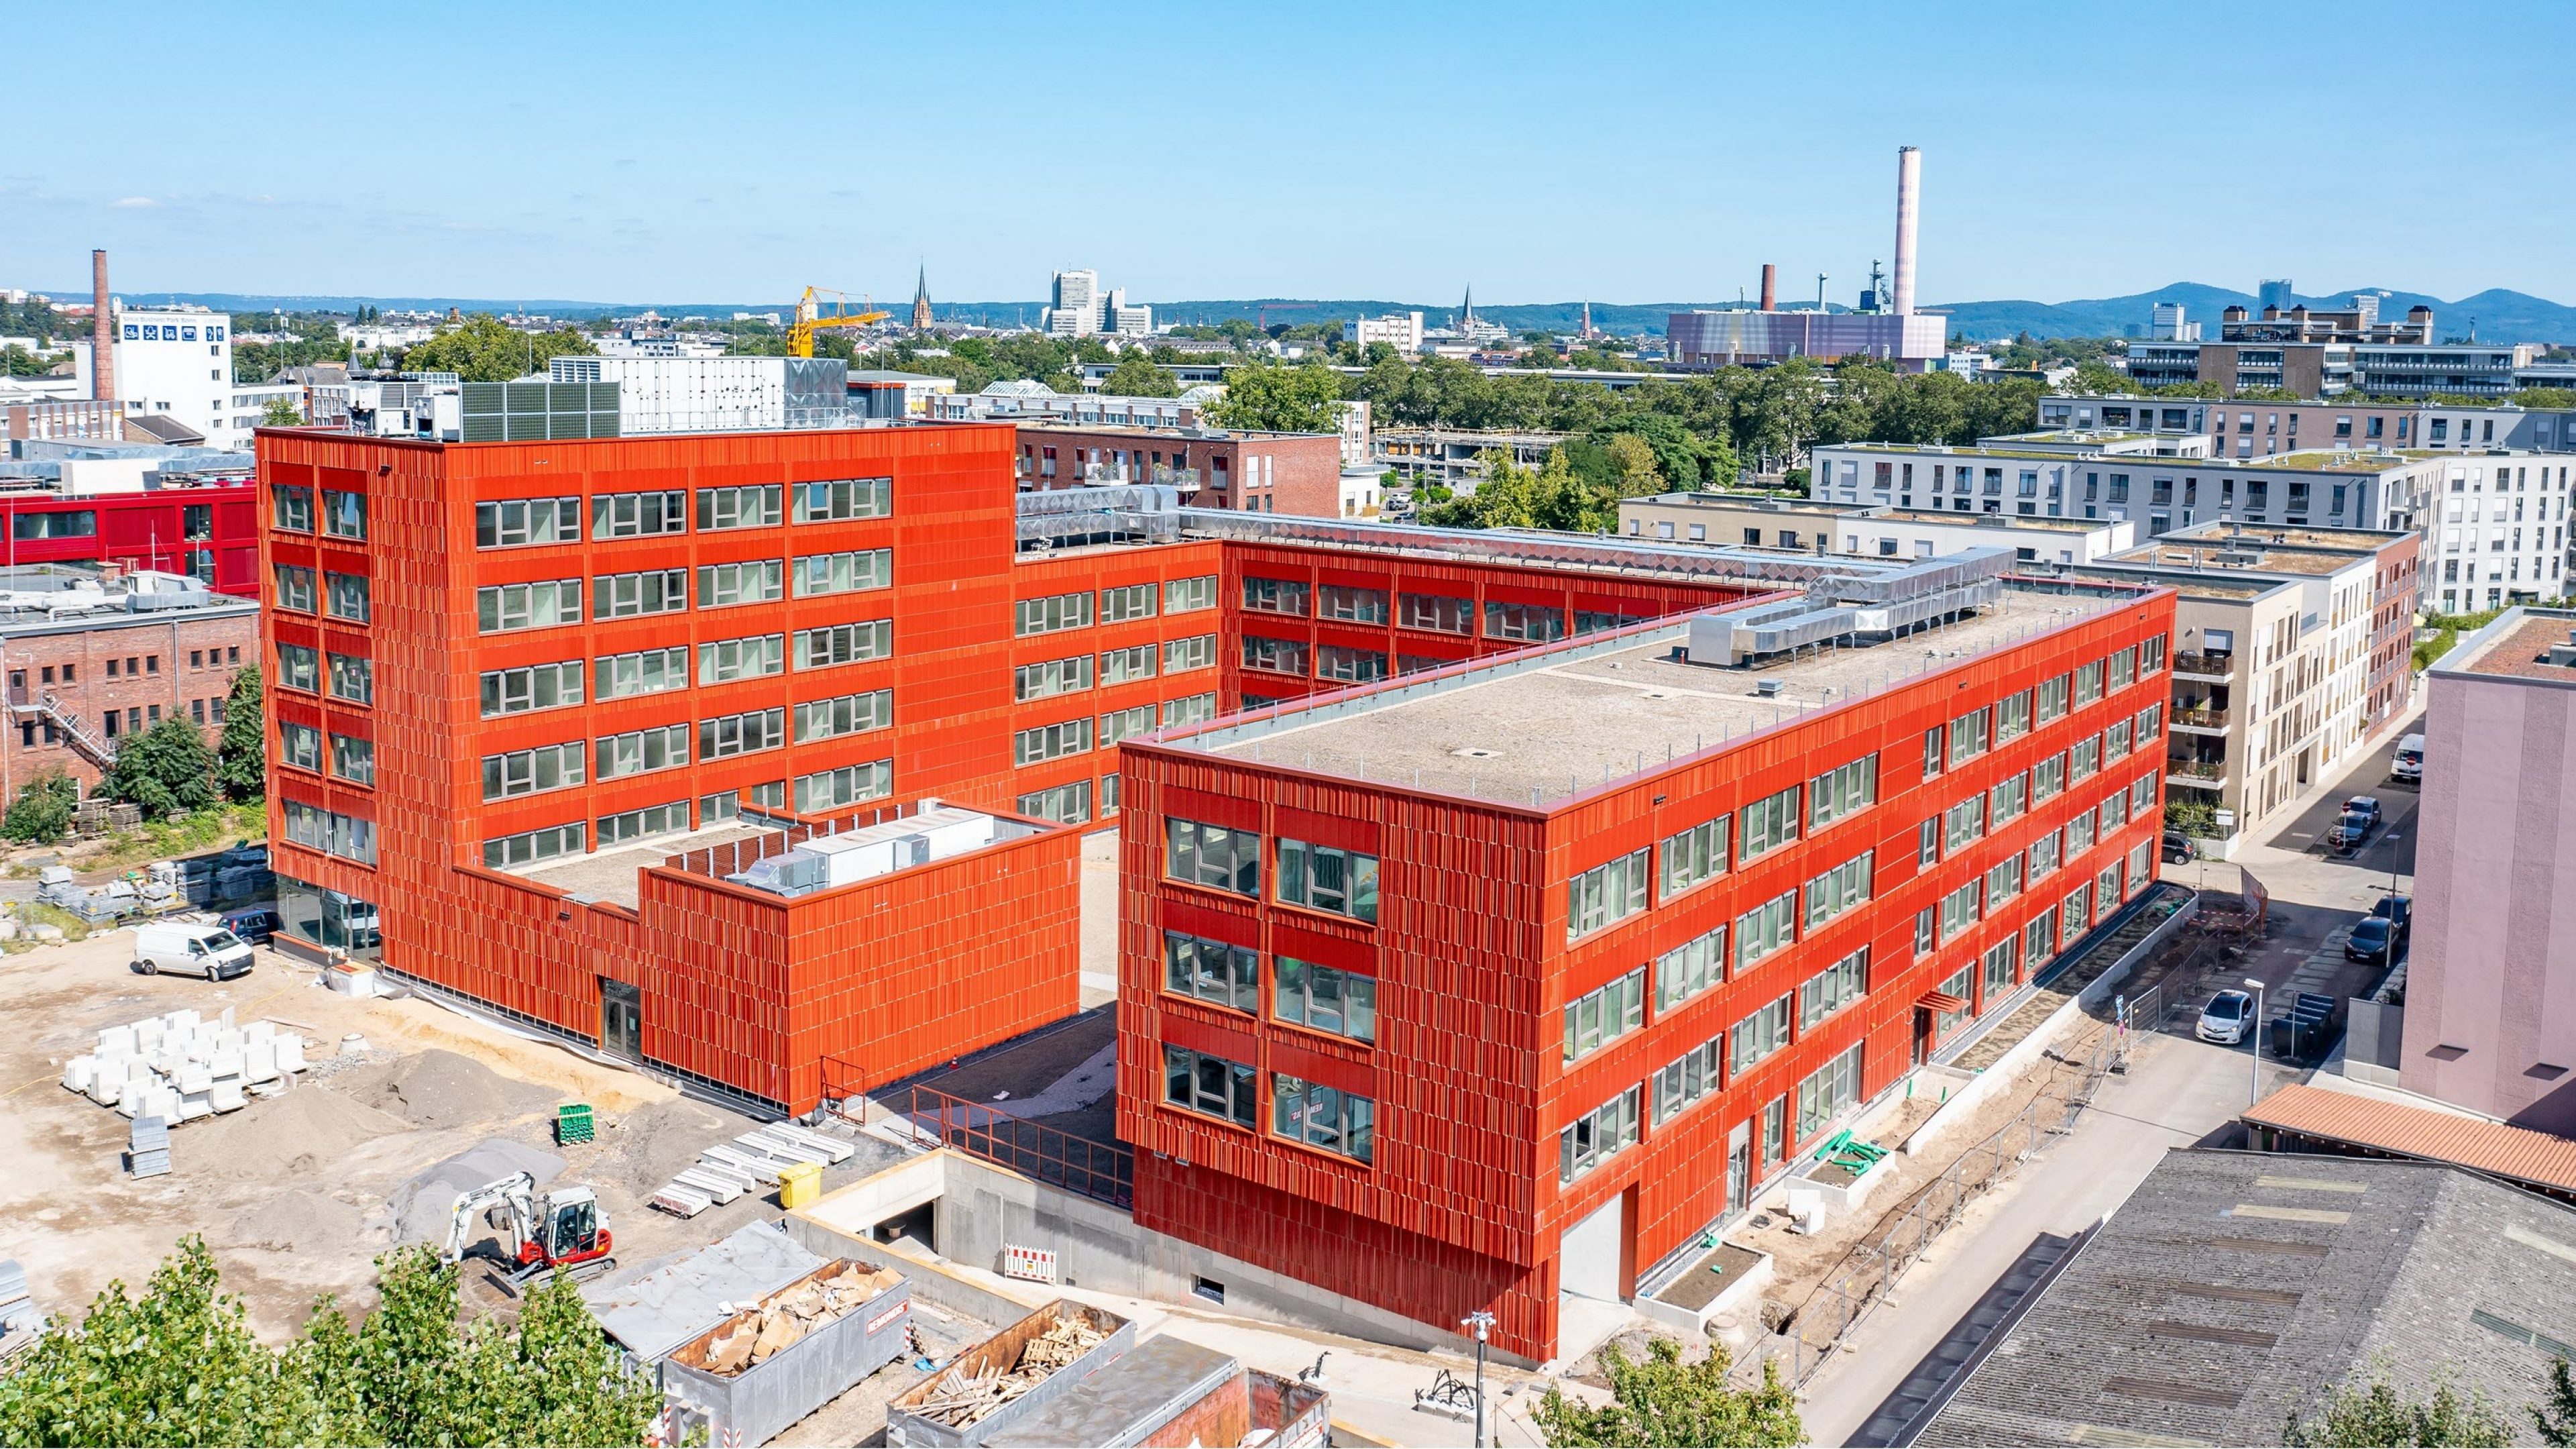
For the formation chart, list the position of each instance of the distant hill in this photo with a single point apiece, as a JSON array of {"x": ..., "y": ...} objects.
[{"x": 2499, "y": 315}]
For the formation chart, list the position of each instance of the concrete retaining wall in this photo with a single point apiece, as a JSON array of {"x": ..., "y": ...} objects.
[{"x": 1693, "y": 1324}]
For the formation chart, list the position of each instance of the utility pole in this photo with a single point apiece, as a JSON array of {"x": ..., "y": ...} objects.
[
  {"x": 2254, "y": 1080},
  {"x": 1482, "y": 1322}
]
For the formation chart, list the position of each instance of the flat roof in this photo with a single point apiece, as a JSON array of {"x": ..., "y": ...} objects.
[
  {"x": 1140, "y": 1390},
  {"x": 611, "y": 874},
  {"x": 2171, "y": 555},
  {"x": 1531, "y": 728},
  {"x": 2518, "y": 648}
]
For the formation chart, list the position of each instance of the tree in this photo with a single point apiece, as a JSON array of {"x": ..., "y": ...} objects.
[
  {"x": 282, "y": 412},
  {"x": 1661, "y": 1400},
  {"x": 43, "y": 809},
  {"x": 2096, "y": 379},
  {"x": 167, "y": 769},
  {"x": 241, "y": 754},
  {"x": 2546, "y": 397},
  {"x": 2556, "y": 1419},
  {"x": 1265, "y": 397},
  {"x": 1510, "y": 496},
  {"x": 1136, "y": 376},
  {"x": 485, "y": 349},
  {"x": 2357, "y": 1416},
  {"x": 2195, "y": 818}
]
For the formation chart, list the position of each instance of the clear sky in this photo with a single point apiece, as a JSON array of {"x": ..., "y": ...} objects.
[{"x": 1631, "y": 152}]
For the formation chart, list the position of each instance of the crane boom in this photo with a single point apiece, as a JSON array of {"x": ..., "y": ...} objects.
[{"x": 810, "y": 318}]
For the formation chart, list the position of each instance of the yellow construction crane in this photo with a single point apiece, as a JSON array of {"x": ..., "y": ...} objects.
[{"x": 811, "y": 318}]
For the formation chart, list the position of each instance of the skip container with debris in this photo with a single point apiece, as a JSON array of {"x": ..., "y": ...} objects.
[{"x": 751, "y": 1376}]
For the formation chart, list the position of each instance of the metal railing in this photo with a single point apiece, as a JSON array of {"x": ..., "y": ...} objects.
[
  {"x": 2197, "y": 769},
  {"x": 1104, "y": 1172}
]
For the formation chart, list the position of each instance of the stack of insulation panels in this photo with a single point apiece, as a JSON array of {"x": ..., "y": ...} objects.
[
  {"x": 179, "y": 1067},
  {"x": 147, "y": 1151},
  {"x": 749, "y": 1163}
]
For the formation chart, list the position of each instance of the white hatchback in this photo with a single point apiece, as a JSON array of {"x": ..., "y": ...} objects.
[{"x": 2226, "y": 1017}]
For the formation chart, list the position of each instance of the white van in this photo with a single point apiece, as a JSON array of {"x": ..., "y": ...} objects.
[
  {"x": 2409, "y": 761},
  {"x": 190, "y": 949}
]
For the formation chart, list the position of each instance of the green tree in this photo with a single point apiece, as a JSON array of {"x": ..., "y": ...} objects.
[
  {"x": 281, "y": 412},
  {"x": 1660, "y": 1400},
  {"x": 1137, "y": 376},
  {"x": 2546, "y": 397},
  {"x": 1265, "y": 397},
  {"x": 1510, "y": 496},
  {"x": 43, "y": 810},
  {"x": 2195, "y": 818},
  {"x": 2356, "y": 1415},
  {"x": 16, "y": 361},
  {"x": 484, "y": 349},
  {"x": 167, "y": 770},
  {"x": 241, "y": 753},
  {"x": 2556, "y": 1418},
  {"x": 2098, "y": 379}
]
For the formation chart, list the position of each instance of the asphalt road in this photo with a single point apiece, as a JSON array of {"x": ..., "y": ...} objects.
[{"x": 2390, "y": 850}]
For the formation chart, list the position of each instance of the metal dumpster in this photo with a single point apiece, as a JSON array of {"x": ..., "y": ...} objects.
[{"x": 753, "y": 1404}]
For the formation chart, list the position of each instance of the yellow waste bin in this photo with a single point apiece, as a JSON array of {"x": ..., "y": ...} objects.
[{"x": 800, "y": 1185}]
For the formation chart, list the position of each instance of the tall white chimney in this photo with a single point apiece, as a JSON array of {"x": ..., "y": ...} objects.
[{"x": 1909, "y": 185}]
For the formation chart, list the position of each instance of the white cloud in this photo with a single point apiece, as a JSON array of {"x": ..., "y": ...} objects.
[{"x": 133, "y": 203}]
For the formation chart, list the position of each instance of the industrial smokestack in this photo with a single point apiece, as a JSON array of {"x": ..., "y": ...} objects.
[
  {"x": 102, "y": 332},
  {"x": 1909, "y": 185},
  {"x": 1770, "y": 288}
]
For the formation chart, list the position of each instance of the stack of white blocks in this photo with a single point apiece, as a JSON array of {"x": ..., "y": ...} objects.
[{"x": 179, "y": 1067}]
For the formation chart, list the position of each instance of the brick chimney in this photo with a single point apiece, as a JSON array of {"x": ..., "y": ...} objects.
[{"x": 102, "y": 332}]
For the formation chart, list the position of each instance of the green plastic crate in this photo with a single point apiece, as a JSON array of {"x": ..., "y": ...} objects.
[{"x": 573, "y": 1123}]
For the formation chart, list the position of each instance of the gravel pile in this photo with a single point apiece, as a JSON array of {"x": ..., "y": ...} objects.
[
  {"x": 423, "y": 1206},
  {"x": 297, "y": 1133}
]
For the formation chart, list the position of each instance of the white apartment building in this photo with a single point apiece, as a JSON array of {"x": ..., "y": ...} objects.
[
  {"x": 2497, "y": 532},
  {"x": 1076, "y": 307},
  {"x": 1759, "y": 520},
  {"x": 1399, "y": 330},
  {"x": 176, "y": 363}
]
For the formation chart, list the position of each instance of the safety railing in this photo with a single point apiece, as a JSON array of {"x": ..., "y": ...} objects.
[{"x": 1104, "y": 1172}]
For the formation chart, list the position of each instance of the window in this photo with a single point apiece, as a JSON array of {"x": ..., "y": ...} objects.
[
  {"x": 1838, "y": 890},
  {"x": 842, "y": 498},
  {"x": 1202, "y": 1083},
  {"x": 1134, "y": 601},
  {"x": 299, "y": 745},
  {"x": 2039, "y": 938},
  {"x": 1597, "y": 1136},
  {"x": 1212, "y": 971},
  {"x": 1775, "y": 1129},
  {"x": 1051, "y": 742},
  {"x": 533, "y": 845},
  {"x": 2007, "y": 801},
  {"x": 625, "y": 596},
  {"x": 1121, "y": 724},
  {"x": 1354, "y": 606},
  {"x": 1337, "y": 661},
  {"x": 1053, "y": 677},
  {"x": 651, "y": 671},
  {"x": 642, "y": 751},
  {"x": 1606, "y": 893},
  {"x": 1970, "y": 736},
  {"x": 499, "y": 608},
  {"x": 1341, "y": 1002},
  {"x": 1695, "y": 855},
  {"x": 1767, "y": 825},
  {"x": 2088, "y": 684},
  {"x": 1605, "y": 1014},
  {"x": 1120, "y": 665},
  {"x": 331, "y": 832},
  {"x": 752, "y": 581},
  {"x": 1324, "y": 1117},
  {"x": 1757, "y": 1036},
  {"x": 757, "y": 656},
  {"x": 1828, "y": 1092},
  {"x": 848, "y": 714},
  {"x": 1275, "y": 596},
  {"x": 843, "y": 644},
  {"x": 1279, "y": 656},
  {"x": 1533, "y": 623},
  {"x": 1765, "y": 928},
  {"x": 1964, "y": 823},
  {"x": 1053, "y": 613},
  {"x": 537, "y": 686},
  {"x": 1213, "y": 856},
  {"x": 299, "y": 666},
  {"x": 526, "y": 772},
  {"x": 1832, "y": 989},
  {"x": 1689, "y": 969},
  {"x": 2045, "y": 855},
  {"x": 2012, "y": 717},
  {"x": 353, "y": 678},
  {"x": 637, "y": 515},
  {"x": 1181, "y": 596},
  {"x": 2115, "y": 742},
  {"x": 1065, "y": 804},
  {"x": 513, "y": 522},
  {"x": 2085, "y": 759},
  {"x": 2150, "y": 723},
  {"x": 1322, "y": 878},
  {"x": 2003, "y": 882},
  {"x": 1590, "y": 621},
  {"x": 2047, "y": 779},
  {"x": 289, "y": 508},
  {"x": 353, "y": 759},
  {"x": 2142, "y": 796},
  {"x": 1927, "y": 843},
  {"x": 818, "y": 574},
  {"x": 826, "y": 790},
  {"x": 741, "y": 734},
  {"x": 2151, "y": 655},
  {"x": 1959, "y": 910},
  {"x": 344, "y": 515},
  {"x": 1695, "y": 1074},
  {"x": 2124, "y": 669},
  {"x": 294, "y": 588},
  {"x": 2141, "y": 864},
  {"x": 1842, "y": 791},
  {"x": 1436, "y": 612},
  {"x": 2115, "y": 811},
  {"x": 2052, "y": 699},
  {"x": 1196, "y": 652},
  {"x": 636, "y": 824},
  {"x": 1189, "y": 710}
]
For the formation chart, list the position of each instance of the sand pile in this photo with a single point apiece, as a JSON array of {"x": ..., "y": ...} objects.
[
  {"x": 442, "y": 1089},
  {"x": 301, "y": 1221},
  {"x": 298, "y": 1133},
  {"x": 648, "y": 1146},
  {"x": 424, "y": 1205}
]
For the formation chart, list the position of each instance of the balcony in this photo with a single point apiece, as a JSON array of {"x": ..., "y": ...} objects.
[
  {"x": 2203, "y": 774},
  {"x": 2187, "y": 665},
  {"x": 2206, "y": 721}
]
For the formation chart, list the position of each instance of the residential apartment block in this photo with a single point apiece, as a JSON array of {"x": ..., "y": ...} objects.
[
  {"x": 1763, "y": 520},
  {"x": 2324, "y": 352},
  {"x": 1250, "y": 472},
  {"x": 2246, "y": 430},
  {"x": 2496, "y": 531}
]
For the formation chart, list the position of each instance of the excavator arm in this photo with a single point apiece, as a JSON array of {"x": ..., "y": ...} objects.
[{"x": 517, "y": 1192}]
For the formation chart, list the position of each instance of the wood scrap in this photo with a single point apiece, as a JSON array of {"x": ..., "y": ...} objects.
[{"x": 959, "y": 1398}]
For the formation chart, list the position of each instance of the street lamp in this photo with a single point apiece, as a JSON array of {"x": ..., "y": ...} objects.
[
  {"x": 1482, "y": 1322},
  {"x": 2254, "y": 1085},
  {"x": 2392, "y": 864}
]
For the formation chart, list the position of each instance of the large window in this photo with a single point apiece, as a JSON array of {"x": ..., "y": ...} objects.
[
  {"x": 1695, "y": 855},
  {"x": 2048, "y": 779},
  {"x": 347, "y": 597},
  {"x": 752, "y": 581},
  {"x": 1121, "y": 724},
  {"x": 1340, "y": 661},
  {"x": 1324, "y": 1117},
  {"x": 1695, "y": 1074},
  {"x": 1209, "y": 1084},
  {"x": 353, "y": 678},
  {"x": 843, "y": 644},
  {"x": 1196, "y": 652},
  {"x": 741, "y": 734},
  {"x": 1117, "y": 666},
  {"x": 1275, "y": 596},
  {"x": 1828, "y": 1092},
  {"x": 818, "y": 574},
  {"x": 1181, "y": 596},
  {"x": 353, "y": 759},
  {"x": 1758, "y": 1036},
  {"x": 1132, "y": 601},
  {"x": 1322, "y": 878},
  {"x": 2115, "y": 742},
  {"x": 757, "y": 505},
  {"x": 2003, "y": 882},
  {"x": 2079, "y": 835},
  {"x": 2088, "y": 684},
  {"x": 2012, "y": 717},
  {"x": 535, "y": 686},
  {"x": 2085, "y": 757},
  {"x": 294, "y": 587},
  {"x": 663, "y": 819},
  {"x": 637, "y": 752},
  {"x": 1353, "y": 606},
  {"x": 502, "y": 607},
  {"x": 1605, "y": 1014},
  {"x": 1838, "y": 890},
  {"x": 1609, "y": 892},
  {"x": 2007, "y": 801},
  {"x": 300, "y": 746},
  {"x": 2124, "y": 669},
  {"x": 330, "y": 832},
  {"x": 637, "y": 515},
  {"x": 1341, "y": 1002},
  {"x": 1767, "y": 825},
  {"x": 2142, "y": 795},
  {"x": 1436, "y": 612},
  {"x": 1052, "y": 613},
  {"x": 846, "y": 714},
  {"x": 649, "y": 671},
  {"x": 2003, "y": 968},
  {"x": 1959, "y": 909},
  {"x": 1842, "y": 791},
  {"x": 514, "y": 522},
  {"x": 1690, "y": 968},
  {"x": 2115, "y": 810},
  {"x": 1971, "y": 735},
  {"x": 2044, "y": 855},
  {"x": 835, "y": 499},
  {"x": 2052, "y": 699},
  {"x": 1189, "y": 709},
  {"x": 849, "y": 785},
  {"x": 1597, "y": 1136},
  {"x": 1228, "y": 975},
  {"x": 1964, "y": 823},
  {"x": 290, "y": 508},
  {"x": 1064, "y": 804},
  {"x": 530, "y": 846},
  {"x": 526, "y": 772},
  {"x": 626, "y": 596},
  {"x": 1531, "y": 623},
  {"x": 299, "y": 666},
  {"x": 1832, "y": 989},
  {"x": 344, "y": 514},
  {"x": 1278, "y": 656},
  {"x": 757, "y": 656},
  {"x": 1213, "y": 856},
  {"x": 1051, "y": 742},
  {"x": 1766, "y": 928},
  {"x": 2074, "y": 912},
  {"x": 1051, "y": 677}
]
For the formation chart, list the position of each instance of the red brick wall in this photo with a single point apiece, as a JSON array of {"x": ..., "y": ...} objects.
[
  {"x": 1245, "y": 472},
  {"x": 164, "y": 682},
  {"x": 2395, "y": 596}
]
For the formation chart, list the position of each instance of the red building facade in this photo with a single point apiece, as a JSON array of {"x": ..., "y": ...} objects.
[
  {"x": 1493, "y": 1147},
  {"x": 208, "y": 530}
]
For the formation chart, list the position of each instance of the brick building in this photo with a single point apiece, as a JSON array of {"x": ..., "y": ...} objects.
[
  {"x": 1246, "y": 472},
  {"x": 87, "y": 665}
]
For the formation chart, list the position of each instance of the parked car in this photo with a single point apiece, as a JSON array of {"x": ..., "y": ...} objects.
[
  {"x": 2408, "y": 764},
  {"x": 2366, "y": 805},
  {"x": 2398, "y": 911},
  {"x": 257, "y": 925},
  {"x": 2178, "y": 849},
  {"x": 2229, "y": 1015},
  {"x": 2350, "y": 830},
  {"x": 2372, "y": 940},
  {"x": 190, "y": 949}
]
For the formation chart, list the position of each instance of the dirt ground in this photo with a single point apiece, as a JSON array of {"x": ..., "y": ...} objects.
[{"x": 299, "y": 1192}]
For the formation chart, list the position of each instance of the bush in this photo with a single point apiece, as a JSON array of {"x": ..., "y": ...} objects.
[
  {"x": 167, "y": 770},
  {"x": 42, "y": 813}
]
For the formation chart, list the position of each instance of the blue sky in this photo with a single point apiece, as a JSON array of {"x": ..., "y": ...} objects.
[{"x": 1628, "y": 153}]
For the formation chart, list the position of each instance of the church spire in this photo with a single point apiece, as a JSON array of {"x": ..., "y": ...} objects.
[{"x": 921, "y": 301}]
